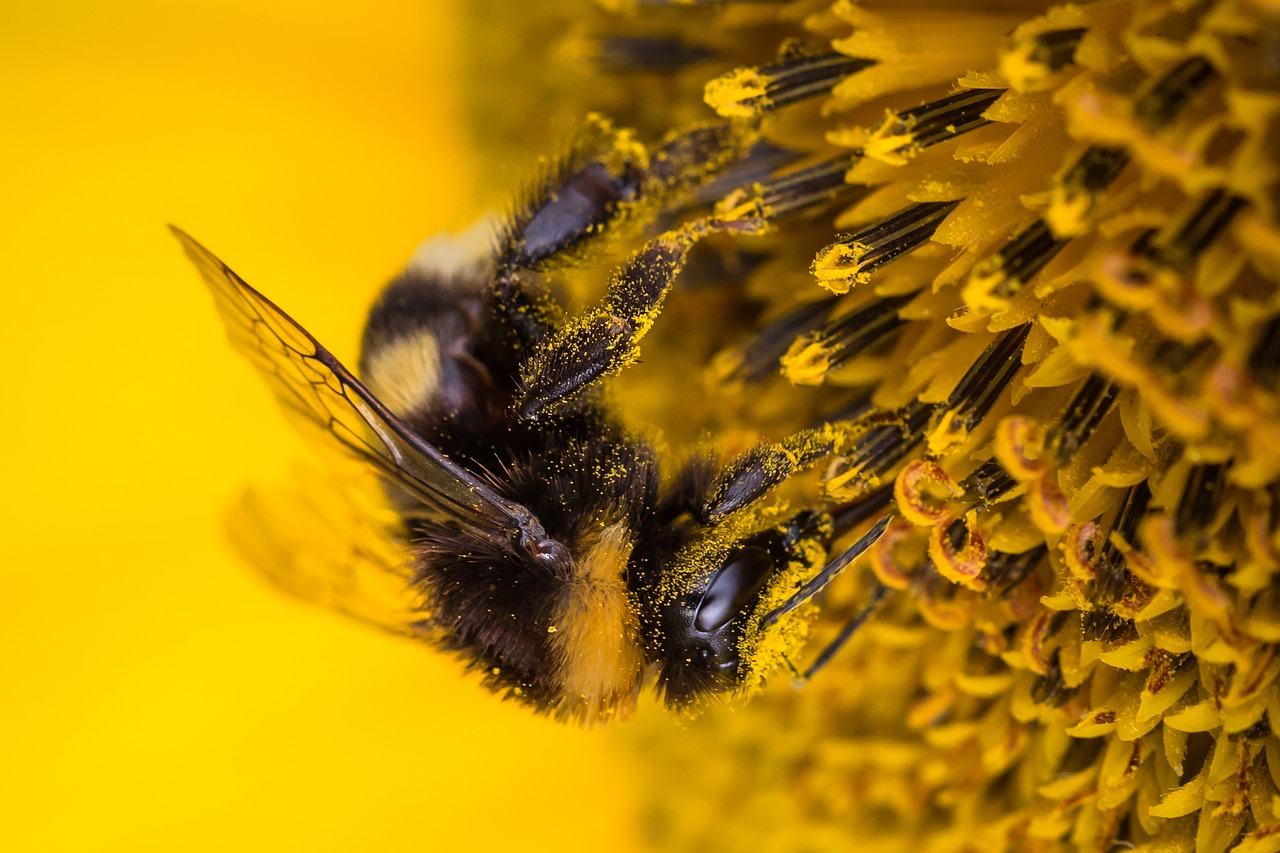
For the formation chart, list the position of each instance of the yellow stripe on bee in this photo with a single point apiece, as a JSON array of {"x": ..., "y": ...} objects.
[
  {"x": 405, "y": 373},
  {"x": 596, "y": 631}
]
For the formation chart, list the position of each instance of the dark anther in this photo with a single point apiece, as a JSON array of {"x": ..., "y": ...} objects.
[
  {"x": 1050, "y": 689},
  {"x": 1006, "y": 571},
  {"x": 983, "y": 383},
  {"x": 1264, "y": 358},
  {"x": 1056, "y": 49},
  {"x": 1113, "y": 575},
  {"x": 1085, "y": 411},
  {"x": 1170, "y": 94},
  {"x": 760, "y": 358},
  {"x": 752, "y": 91},
  {"x": 1195, "y": 231},
  {"x": 804, "y": 188},
  {"x": 1200, "y": 497},
  {"x": 848, "y": 336},
  {"x": 628, "y": 54},
  {"x": 943, "y": 119},
  {"x": 1097, "y": 167},
  {"x": 990, "y": 482},
  {"x": 876, "y": 451},
  {"x": 1025, "y": 255},
  {"x": 794, "y": 80}
]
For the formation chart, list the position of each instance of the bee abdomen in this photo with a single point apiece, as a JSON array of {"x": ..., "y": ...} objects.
[{"x": 418, "y": 352}]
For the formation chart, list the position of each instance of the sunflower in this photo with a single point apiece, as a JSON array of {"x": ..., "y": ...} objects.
[{"x": 1026, "y": 257}]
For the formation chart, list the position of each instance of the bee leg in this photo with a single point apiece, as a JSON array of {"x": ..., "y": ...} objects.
[
  {"x": 529, "y": 312},
  {"x": 753, "y": 474},
  {"x": 607, "y": 177},
  {"x": 606, "y": 339},
  {"x": 581, "y": 195},
  {"x": 691, "y": 159}
]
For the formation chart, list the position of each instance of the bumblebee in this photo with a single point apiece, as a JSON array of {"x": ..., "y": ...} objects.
[{"x": 537, "y": 538}]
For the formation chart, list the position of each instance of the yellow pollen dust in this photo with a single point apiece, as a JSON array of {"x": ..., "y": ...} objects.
[{"x": 737, "y": 94}]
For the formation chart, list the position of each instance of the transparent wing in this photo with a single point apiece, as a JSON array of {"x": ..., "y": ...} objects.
[
  {"x": 309, "y": 381},
  {"x": 331, "y": 543}
]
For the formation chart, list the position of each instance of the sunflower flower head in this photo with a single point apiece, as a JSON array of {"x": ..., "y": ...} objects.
[{"x": 1023, "y": 262}]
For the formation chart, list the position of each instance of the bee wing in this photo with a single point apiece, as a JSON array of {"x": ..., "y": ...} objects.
[
  {"x": 309, "y": 381},
  {"x": 335, "y": 547}
]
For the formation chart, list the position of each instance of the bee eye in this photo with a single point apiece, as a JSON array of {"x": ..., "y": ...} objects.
[{"x": 737, "y": 582}]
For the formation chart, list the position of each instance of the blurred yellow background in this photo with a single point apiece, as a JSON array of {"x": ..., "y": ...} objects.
[{"x": 156, "y": 694}]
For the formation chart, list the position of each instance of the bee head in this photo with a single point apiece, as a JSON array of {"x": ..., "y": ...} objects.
[{"x": 708, "y": 636}]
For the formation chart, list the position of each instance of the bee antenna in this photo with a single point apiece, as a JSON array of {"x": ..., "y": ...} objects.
[
  {"x": 828, "y": 573},
  {"x": 846, "y": 631}
]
